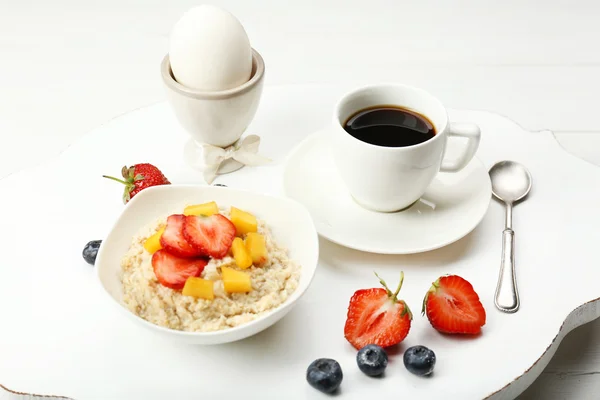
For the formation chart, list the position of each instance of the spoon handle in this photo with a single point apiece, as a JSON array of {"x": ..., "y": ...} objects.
[{"x": 507, "y": 296}]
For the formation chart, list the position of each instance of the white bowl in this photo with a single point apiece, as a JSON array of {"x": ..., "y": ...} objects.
[{"x": 290, "y": 223}]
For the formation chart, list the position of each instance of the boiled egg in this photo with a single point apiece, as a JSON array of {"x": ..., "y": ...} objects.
[{"x": 209, "y": 50}]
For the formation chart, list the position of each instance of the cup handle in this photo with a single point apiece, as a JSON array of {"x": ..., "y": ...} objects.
[{"x": 462, "y": 130}]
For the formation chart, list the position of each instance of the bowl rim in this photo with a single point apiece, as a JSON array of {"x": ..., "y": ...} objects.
[
  {"x": 288, "y": 303},
  {"x": 258, "y": 68}
]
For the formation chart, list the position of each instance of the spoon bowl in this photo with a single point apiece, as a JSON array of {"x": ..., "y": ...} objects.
[{"x": 511, "y": 181}]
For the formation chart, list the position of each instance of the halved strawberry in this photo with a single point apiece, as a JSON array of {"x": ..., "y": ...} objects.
[
  {"x": 210, "y": 235},
  {"x": 173, "y": 240},
  {"x": 172, "y": 271},
  {"x": 452, "y": 306},
  {"x": 376, "y": 316}
]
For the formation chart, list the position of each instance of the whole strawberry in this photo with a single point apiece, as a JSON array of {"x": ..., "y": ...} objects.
[
  {"x": 139, "y": 177},
  {"x": 376, "y": 316}
]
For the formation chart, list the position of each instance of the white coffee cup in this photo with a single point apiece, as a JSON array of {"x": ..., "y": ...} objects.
[{"x": 389, "y": 179}]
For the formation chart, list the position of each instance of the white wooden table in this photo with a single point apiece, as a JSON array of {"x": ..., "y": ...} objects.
[{"x": 69, "y": 66}]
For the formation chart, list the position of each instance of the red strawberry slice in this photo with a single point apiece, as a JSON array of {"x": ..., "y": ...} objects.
[
  {"x": 452, "y": 306},
  {"x": 376, "y": 316},
  {"x": 173, "y": 240},
  {"x": 172, "y": 271},
  {"x": 210, "y": 235}
]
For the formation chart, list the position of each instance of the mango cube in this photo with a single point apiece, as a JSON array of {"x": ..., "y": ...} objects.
[
  {"x": 244, "y": 222},
  {"x": 257, "y": 247},
  {"x": 241, "y": 255},
  {"x": 235, "y": 281},
  {"x": 152, "y": 244},
  {"x": 198, "y": 287},
  {"x": 206, "y": 209}
]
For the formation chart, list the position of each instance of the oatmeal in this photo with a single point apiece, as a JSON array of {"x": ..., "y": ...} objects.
[{"x": 272, "y": 282}]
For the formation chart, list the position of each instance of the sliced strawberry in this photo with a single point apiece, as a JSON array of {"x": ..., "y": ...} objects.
[
  {"x": 452, "y": 306},
  {"x": 376, "y": 316},
  {"x": 173, "y": 240},
  {"x": 212, "y": 236},
  {"x": 172, "y": 271}
]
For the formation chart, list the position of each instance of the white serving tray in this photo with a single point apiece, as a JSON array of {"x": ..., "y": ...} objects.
[{"x": 61, "y": 337}]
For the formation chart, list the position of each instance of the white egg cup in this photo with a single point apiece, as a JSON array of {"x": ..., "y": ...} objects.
[{"x": 216, "y": 121}]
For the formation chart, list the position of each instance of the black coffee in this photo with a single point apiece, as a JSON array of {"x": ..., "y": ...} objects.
[{"x": 389, "y": 126}]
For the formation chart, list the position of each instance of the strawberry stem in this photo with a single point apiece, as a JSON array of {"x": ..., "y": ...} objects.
[
  {"x": 116, "y": 179},
  {"x": 393, "y": 296},
  {"x": 389, "y": 292},
  {"x": 434, "y": 286},
  {"x": 406, "y": 311},
  {"x": 399, "y": 284}
]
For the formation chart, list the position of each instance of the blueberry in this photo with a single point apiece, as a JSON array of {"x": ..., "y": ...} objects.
[
  {"x": 90, "y": 251},
  {"x": 372, "y": 360},
  {"x": 324, "y": 374},
  {"x": 419, "y": 360}
]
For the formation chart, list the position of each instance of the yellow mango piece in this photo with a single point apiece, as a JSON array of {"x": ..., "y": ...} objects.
[
  {"x": 152, "y": 244},
  {"x": 244, "y": 222},
  {"x": 235, "y": 281},
  {"x": 241, "y": 255},
  {"x": 206, "y": 209},
  {"x": 257, "y": 247},
  {"x": 198, "y": 287}
]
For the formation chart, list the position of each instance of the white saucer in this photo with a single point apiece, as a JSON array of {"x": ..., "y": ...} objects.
[{"x": 453, "y": 205}]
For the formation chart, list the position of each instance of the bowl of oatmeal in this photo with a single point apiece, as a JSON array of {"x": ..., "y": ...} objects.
[{"x": 205, "y": 264}]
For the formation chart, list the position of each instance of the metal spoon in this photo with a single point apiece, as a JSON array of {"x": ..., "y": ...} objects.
[{"x": 511, "y": 182}]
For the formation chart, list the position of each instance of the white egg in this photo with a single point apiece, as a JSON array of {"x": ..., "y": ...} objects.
[{"x": 209, "y": 50}]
